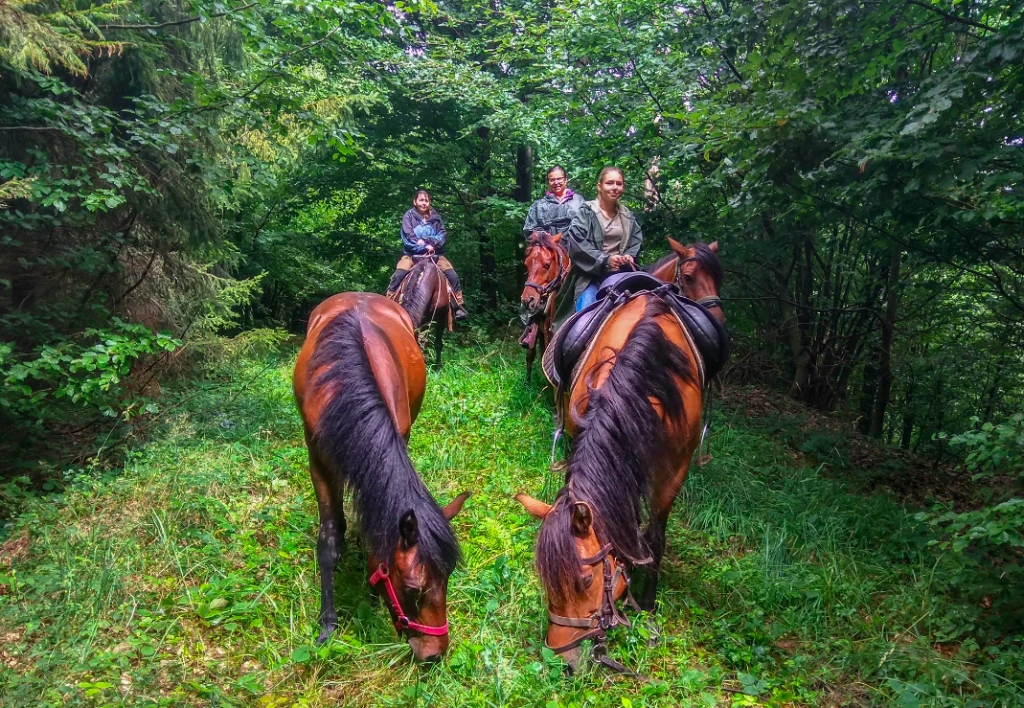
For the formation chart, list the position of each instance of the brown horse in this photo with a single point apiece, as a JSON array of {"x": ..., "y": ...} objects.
[
  {"x": 634, "y": 411},
  {"x": 694, "y": 270},
  {"x": 359, "y": 382},
  {"x": 547, "y": 264},
  {"x": 425, "y": 296}
]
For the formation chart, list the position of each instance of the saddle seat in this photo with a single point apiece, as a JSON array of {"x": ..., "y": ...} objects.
[{"x": 573, "y": 338}]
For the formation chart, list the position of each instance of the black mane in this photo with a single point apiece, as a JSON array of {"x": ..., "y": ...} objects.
[
  {"x": 363, "y": 449},
  {"x": 622, "y": 440},
  {"x": 418, "y": 296}
]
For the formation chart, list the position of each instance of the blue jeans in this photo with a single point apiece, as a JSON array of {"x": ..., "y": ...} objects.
[{"x": 588, "y": 296}]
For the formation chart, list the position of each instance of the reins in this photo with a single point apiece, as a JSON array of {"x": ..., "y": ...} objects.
[{"x": 403, "y": 622}]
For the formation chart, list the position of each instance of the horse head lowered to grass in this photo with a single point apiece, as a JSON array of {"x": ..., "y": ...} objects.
[
  {"x": 359, "y": 382},
  {"x": 633, "y": 405}
]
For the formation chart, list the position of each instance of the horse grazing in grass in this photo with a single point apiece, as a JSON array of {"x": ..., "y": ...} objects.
[
  {"x": 425, "y": 296},
  {"x": 547, "y": 264},
  {"x": 634, "y": 411},
  {"x": 359, "y": 382}
]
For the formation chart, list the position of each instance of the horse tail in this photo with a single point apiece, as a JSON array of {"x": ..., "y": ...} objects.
[
  {"x": 358, "y": 441},
  {"x": 622, "y": 438}
]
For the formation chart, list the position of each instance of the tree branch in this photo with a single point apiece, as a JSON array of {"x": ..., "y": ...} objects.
[
  {"x": 951, "y": 17},
  {"x": 174, "y": 23}
]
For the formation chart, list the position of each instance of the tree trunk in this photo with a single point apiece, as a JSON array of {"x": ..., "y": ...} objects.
[
  {"x": 523, "y": 195},
  {"x": 488, "y": 264},
  {"x": 885, "y": 348}
]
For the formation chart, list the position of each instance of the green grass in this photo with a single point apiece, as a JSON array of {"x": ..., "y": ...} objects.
[{"x": 189, "y": 577}]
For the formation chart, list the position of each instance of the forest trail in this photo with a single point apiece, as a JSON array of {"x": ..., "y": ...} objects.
[{"x": 189, "y": 578}]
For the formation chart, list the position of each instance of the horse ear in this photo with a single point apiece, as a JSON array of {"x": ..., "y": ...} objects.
[
  {"x": 455, "y": 506},
  {"x": 679, "y": 248},
  {"x": 534, "y": 507},
  {"x": 555, "y": 238},
  {"x": 582, "y": 519},
  {"x": 409, "y": 529},
  {"x": 713, "y": 246}
]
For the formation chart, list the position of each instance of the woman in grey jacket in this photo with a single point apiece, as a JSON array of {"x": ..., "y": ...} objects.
[
  {"x": 604, "y": 237},
  {"x": 556, "y": 210}
]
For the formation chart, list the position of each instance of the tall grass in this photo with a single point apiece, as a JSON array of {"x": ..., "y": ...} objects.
[{"x": 188, "y": 578}]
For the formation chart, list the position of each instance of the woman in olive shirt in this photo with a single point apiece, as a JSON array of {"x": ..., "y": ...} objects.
[{"x": 604, "y": 237}]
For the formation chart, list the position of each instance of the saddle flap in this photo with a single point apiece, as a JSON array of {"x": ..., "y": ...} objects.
[
  {"x": 572, "y": 338},
  {"x": 708, "y": 333}
]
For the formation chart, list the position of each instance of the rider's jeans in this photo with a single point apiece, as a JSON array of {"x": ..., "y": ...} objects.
[{"x": 588, "y": 296}]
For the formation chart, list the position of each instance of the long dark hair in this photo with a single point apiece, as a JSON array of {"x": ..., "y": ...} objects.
[
  {"x": 363, "y": 450},
  {"x": 621, "y": 442}
]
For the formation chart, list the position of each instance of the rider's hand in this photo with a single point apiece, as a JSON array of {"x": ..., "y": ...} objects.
[
  {"x": 420, "y": 242},
  {"x": 616, "y": 261},
  {"x": 430, "y": 250}
]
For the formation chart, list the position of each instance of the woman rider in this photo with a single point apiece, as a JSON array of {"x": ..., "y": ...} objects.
[
  {"x": 604, "y": 237},
  {"x": 424, "y": 232},
  {"x": 555, "y": 211}
]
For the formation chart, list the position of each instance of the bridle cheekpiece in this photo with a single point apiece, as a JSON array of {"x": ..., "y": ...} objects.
[{"x": 403, "y": 622}]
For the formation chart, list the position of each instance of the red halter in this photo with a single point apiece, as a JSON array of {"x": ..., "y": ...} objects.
[{"x": 403, "y": 622}]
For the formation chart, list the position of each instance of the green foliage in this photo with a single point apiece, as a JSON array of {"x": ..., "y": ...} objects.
[{"x": 90, "y": 375}]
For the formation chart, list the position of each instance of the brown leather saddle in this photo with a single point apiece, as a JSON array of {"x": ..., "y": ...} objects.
[{"x": 573, "y": 338}]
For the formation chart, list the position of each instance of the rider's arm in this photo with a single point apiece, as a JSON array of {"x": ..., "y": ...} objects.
[
  {"x": 636, "y": 240},
  {"x": 409, "y": 237},
  {"x": 582, "y": 242},
  {"x": 531, "y": 223}
]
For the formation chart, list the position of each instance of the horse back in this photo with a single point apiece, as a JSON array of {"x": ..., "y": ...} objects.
[
  {"x": 600, "y": 359},
  {"x": 390, "y": 343}
]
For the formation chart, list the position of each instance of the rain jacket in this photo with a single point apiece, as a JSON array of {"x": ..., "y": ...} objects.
[
  {"x": 589, "y": 262},
  {"x": 431, "y": 230},
  {"x": 548, "y": 215}
]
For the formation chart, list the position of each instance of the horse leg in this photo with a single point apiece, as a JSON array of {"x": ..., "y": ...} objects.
[
  {"x": 438, "y": 343},
  {"x": 531, "y": 353},
  {"x": 328, "y": 546},
  {"x": 655, "y": 537}
]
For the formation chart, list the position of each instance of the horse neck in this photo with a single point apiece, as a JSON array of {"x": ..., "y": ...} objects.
[{"x": 428, "y": 294}]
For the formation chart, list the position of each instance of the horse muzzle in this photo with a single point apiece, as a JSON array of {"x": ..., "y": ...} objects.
[{"x": 527, "y": 312}]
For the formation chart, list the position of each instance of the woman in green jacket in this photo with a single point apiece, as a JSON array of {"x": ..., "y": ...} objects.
[{"x": 603, "y": 238}]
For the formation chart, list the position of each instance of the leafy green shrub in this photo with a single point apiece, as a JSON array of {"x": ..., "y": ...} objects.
[{"x": 984, "y": 546}]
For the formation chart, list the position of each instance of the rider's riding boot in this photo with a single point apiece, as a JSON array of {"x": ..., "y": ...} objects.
[
  {"x": 453, "y": 280},
  {"x": 395, "y": 284}
]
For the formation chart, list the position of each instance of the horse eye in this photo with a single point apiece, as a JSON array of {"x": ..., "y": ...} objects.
[{"x": 587, "y": 580}]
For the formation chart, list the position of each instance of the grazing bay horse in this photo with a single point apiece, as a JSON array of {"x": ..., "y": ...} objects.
[
  {"x": 547, "y": 264},
  {"x": 634, "y": 411},
  {"x": 425, "y": 296},
  {"x": 359, "y": 382}
]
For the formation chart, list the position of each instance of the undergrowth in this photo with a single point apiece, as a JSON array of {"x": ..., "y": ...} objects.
[{"x": 189, "y": 577}]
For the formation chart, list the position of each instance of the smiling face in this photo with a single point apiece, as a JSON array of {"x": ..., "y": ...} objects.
[
  {"x": 610, "y": 186},
  {"x": 557, "y": 182},
  {"x": 422, "y": 593},
  {"x": 422, "y": 203}
]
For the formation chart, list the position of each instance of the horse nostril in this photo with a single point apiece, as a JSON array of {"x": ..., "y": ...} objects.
[{"x": 431, "y": 659}]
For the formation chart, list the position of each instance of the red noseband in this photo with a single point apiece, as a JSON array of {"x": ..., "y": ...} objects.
[{"x": 403, "y": 622}]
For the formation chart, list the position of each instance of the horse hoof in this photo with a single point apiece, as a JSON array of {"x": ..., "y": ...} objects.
[{"x": 325, "y": 633}]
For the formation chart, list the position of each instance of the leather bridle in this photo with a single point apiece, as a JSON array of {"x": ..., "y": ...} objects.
[
  {"x": 606, "y": 616},
  {"x": 562, "y": 264},
  {"x": 710, "y": 301},
  {"x": 403, "y": 623}
]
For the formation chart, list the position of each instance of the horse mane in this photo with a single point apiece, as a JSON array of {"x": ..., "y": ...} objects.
[
  {"x": 363, "y": 449},
  {"x": 706, "y": 259},
  {"x": 416, "y": 299},
  {"x": 621, "y": 441},
  {"x": 544, "y": 239},
  {"x": 709, "y": 261}
]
